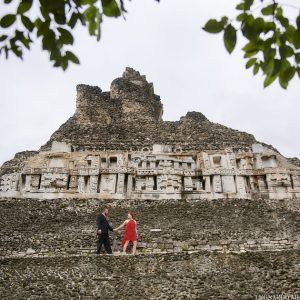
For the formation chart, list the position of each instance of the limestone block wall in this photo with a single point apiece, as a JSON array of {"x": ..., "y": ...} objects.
[{"x": 161, "y": 173}]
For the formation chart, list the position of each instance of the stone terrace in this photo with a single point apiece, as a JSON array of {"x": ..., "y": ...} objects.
[
  {"x": 200, "y": 275},
  {"x": 220, "y": 249},
  {"x": 31, "y": 227}
]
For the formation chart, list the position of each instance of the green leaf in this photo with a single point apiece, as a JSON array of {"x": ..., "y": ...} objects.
[
  {"x": 269, "y": 10},
  {"x": 276, "y": 67},
  {"x": 249, "y": 29},
  {"x": 92, "y": 28},
  {"x": 259, "y": 25},
  {"x": 60, "y": 18},
  {"x": 252, "y": 46},
  {"x": 72, "y": 57},
  {"x": 55, "y": 54},
  {"x": 250, "y": 63},
  {"x": 27, "y": 23},
  {"x": 7, "y": 20},
  {"x": 269, "y": 80},
  {"x": 90, "y": 14},
  {"x": 65, "y": 36},
  {"x": 240, "y": 6},
  {"x": 248, "y": 4},
  {"x": 3, "y": 38},
  {"x": 16, "y": 49},
  {"x": 6, "y": 51},
  {"x": 24, "y": 6},
  {"x": 84, "y": 2},
  {"x": 279, "y": 11},
  {"x": 297, "y": 57},
  {"x": 230, "y": 38},
  {"x": 298, "y": 22},
  {"x": 251, "y": 53},
  {"x": 286, "y": 51},
  {"x": 98, "y": 23},
  {"x": 283, "y": 21},
  {"x": 224, "y": 21},
  {"x": 49, "y": 40},
  {"x": 269, "y": 26},
  {"x": 296, "y": 39},
  {"x": 285, "y": 73},
  {"x": 255, "y": 69},
  {"x": 110, "y": 8},
  {"x": 73, "y": 20},
  {"x": 213, "y": 26},
  {"x": 42, "y": 27},
  {"x": 25, "y": 41},
  {"x": 268, "y": 66},
  {"x": 241, "y": 17},
  {"x": 288, "y": 74},
  {"x": 245, "y": 5}
]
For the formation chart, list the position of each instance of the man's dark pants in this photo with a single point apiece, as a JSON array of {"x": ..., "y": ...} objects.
[{"x": 103, "y": 239}]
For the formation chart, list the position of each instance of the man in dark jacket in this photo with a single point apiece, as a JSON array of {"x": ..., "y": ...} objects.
[{"x": 103, "y": 228}]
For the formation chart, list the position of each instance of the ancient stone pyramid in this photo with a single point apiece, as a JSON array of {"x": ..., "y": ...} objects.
[{"x": 218, "y": 213}]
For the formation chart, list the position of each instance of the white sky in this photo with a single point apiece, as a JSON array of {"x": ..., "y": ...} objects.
[{"x": 190, "y": 69}]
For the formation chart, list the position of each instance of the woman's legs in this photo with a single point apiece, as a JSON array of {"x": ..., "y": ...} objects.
[
  {"x": 125, "y": 247},
  {"x": 134, "y": 247}
]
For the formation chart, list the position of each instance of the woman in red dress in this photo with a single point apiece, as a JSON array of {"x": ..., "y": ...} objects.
[{"x": 130, "y": 233}]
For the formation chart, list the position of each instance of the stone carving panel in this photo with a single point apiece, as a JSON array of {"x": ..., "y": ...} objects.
[
  {"x": 73, "y": 182},
  {"x": 228, "y": 184},
  {"x": 211, "y": 174},
  {"x": 240, "y": 185},
  {"x": 108, "y": 183},
  {"x": 9, "y": 182},
  {"x": 35, "y": 182},
  {"x": 217, "y": 184},
  {"x": 121, "y": 183},
  {"x": 93, "y": 187},
  {"x": 188, "y": 183},
  {"x": 278, "y": 182}
]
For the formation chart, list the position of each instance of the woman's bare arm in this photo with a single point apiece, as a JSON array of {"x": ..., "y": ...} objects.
[{"x": 122, "y": 225}]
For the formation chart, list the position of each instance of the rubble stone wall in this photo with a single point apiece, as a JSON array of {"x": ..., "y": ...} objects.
[
  {"x": 201, "y": 275},
  {"x": 31, "y": 227},
  {"x": 129, "y": 117}
]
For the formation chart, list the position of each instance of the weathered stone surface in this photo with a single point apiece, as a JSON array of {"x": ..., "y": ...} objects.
[
  {"x": 117, "y": 146},
  {"x": 160, "y": 173},
  {"x": 17, "y": 163},
  {"x": 199, "y": 275},
  {"x": 56, "y": 227},
  {"x": 129, "y": 117},
  {"x": 218, "y": 214}
]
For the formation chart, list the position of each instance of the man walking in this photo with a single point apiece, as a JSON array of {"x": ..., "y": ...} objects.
[{"x": 103, "y": 227}]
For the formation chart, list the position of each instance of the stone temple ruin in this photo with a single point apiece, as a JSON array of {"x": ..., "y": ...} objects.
[
  {"x": 116, "y": 145},
  {"x": 218, "y": 213}
]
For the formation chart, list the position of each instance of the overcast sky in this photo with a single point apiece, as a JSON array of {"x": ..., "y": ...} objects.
[{"x": 190, "y": 69}]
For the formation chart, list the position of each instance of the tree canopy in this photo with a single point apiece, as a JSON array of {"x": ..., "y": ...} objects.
[{"x": 272, "y": 39}]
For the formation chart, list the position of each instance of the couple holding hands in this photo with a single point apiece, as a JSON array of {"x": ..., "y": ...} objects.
[{"x": 103, "y": 226}]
